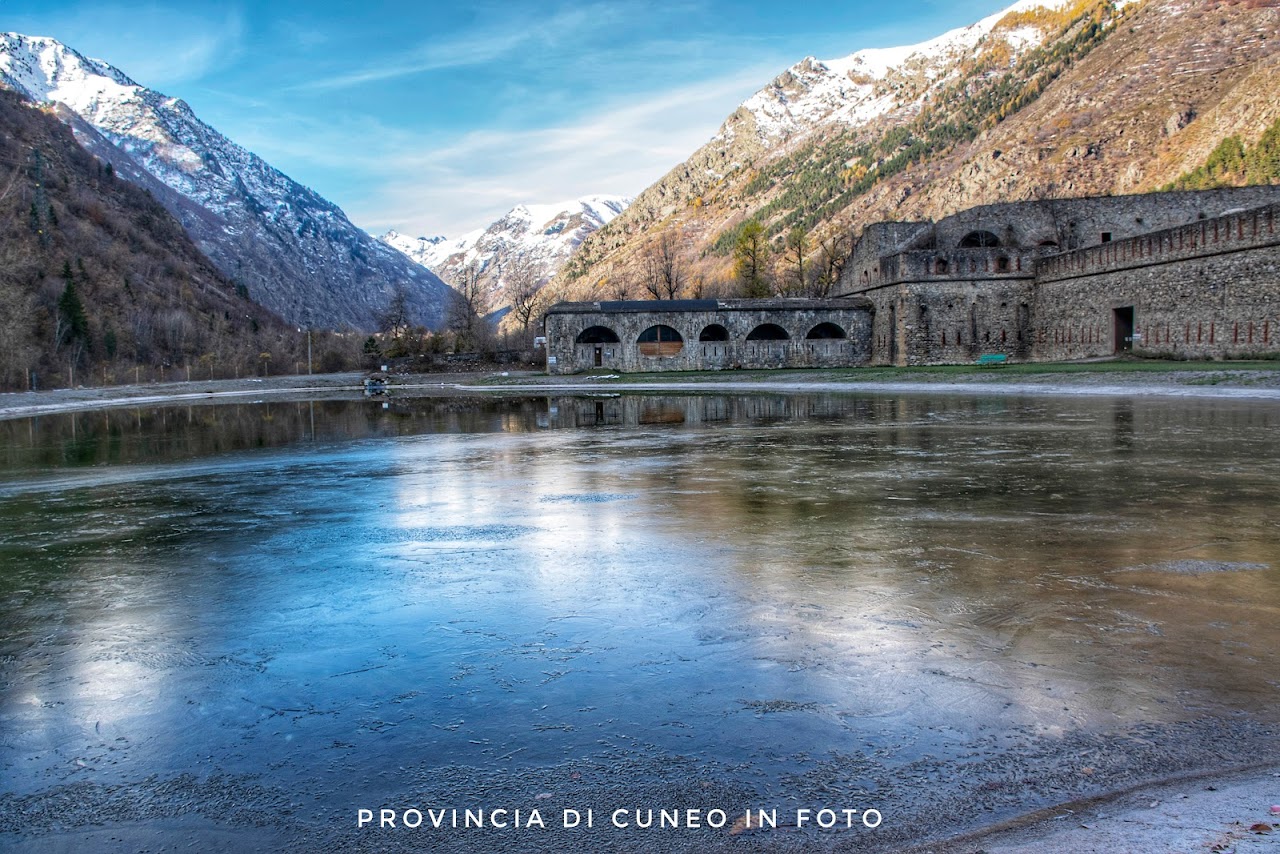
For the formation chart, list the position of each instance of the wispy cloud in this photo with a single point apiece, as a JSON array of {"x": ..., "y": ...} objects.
[
  {"x": 514, "y": 36},
  {"x": 620, "y": 149}
]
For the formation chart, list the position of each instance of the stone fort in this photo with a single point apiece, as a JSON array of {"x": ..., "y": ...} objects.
[{"x": 1188, "y": 274}]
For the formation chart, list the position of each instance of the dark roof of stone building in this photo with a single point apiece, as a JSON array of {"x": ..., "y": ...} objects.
[{"x": 780, "y": 304}]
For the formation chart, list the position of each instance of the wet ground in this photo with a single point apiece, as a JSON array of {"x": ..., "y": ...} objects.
[{"x": 239, "y": 625}]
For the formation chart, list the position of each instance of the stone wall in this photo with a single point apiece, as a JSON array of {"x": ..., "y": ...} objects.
[
  {"x": 1076, "y": 223},
  {"x": 951, "y": 321},
  {"x": 1041, "y": 227},
  {"x": 1206, "y": 290},
  {"x": 1203, "y": 287},
  {"x": 877, "y": 240},
  {"x": 578, "y": 335}
]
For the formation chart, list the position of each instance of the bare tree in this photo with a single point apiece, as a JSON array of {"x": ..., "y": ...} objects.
[
  {"x": 524, "y": 290},
  {"x": 825, "y": 274},
  {"x": 618, "y": 286},
  {"x": 395, "y": 321},
  {"x": 663, "y": 272},
  {"x": 468, "y": 305},
  {"x": 797, "y": 244},
  {"x": 17, "y": 345},
  {"x": 651, "y": 275}
]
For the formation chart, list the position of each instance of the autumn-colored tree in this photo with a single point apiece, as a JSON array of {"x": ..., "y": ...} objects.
[{"x": 751, "y": 261}]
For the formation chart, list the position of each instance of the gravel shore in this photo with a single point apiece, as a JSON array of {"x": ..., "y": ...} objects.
[{"x": 1227, "y": 382}]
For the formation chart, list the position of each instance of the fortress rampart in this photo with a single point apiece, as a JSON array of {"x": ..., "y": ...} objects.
[
  {"x": 995, "y": 280},
  {"x": 1178, "y": 275}
]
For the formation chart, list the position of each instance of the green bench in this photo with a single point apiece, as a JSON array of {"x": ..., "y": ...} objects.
[{"x": 992, "y": 360}]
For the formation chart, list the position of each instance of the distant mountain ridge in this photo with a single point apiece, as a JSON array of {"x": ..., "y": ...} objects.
[
  {"x": 540, "y": 236},
  {"x": 296, "y": 252}
]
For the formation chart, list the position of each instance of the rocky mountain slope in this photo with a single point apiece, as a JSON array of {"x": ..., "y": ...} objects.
[
  {"x": 295, "y": 252},
  {"x": 537, "y": 237},
  {"x": 1064, "y": 97},
  {"x": 99, "y": 283}
]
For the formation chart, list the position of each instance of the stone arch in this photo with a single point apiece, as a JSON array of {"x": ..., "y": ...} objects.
[
  {"x": 826, "y": 330},
  {"x": 979, "y": 240},
  {"x": 660, "y": 340},
  {"x": 598, "y": 335},
  {"x": 768, "y": 332},
  {"x": 713, "y": 332}
]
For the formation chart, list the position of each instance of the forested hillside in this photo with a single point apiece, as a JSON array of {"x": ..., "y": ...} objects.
[
  {"x": 99, "y": 283},
  {"x": 1234, "y": 164}
]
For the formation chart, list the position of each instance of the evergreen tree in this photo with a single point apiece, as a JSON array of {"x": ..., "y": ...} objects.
[
  {"x": 1262, "y": 165},
  {"x": 372, "y": 352},
  {"x": 751, "y": 261},
  {"x": 75, "y": 322}
]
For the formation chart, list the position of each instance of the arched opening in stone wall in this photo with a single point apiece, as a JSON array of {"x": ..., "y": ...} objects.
[
  {"x": 660, "y": 340},
  {"x": 768, "y": 332},
  {"x": 826, "y": 331},
  {"x": 714, "y": 332},
  {"x": 979, "y": 240},
  {"x": 598, "y": 335}
]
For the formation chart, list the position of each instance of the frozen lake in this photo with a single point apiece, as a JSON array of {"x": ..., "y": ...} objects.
[{"x": 240, "y": 624}]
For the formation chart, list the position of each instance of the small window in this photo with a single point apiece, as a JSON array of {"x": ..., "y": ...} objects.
[
  {"x": 1002, "y": 264},
  {"x": 940, "y": 266},
  {"x": 825, "y": 330},
  {"x": 1106, "y": 237},
  {"x": 598, "y": 335},
  {"x": 714, "y": 332},
  {"x": 979, "y": 240},
  {"x": 768, "y": 332}
]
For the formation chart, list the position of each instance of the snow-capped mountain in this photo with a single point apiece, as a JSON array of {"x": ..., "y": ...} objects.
[
  {"x": 864, "y": 86},
  {"x": 539, "y": 236},
  {"x": 809, "y": 147},
  {"x": 296, "y": 252}
]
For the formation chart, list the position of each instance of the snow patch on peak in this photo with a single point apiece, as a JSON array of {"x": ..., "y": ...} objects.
[
  {"x": 540, "y": 235},
  {"x": 849, "y": 90}
]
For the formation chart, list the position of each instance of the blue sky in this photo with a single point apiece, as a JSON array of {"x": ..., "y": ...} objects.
[{"x": 435, "y": 118}]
